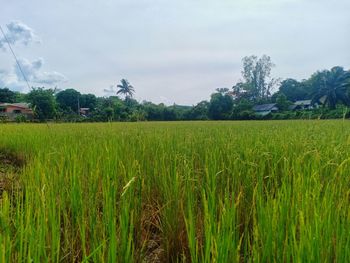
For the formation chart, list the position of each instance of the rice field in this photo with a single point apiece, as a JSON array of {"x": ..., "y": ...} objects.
[{"x": 276, "y": 191}]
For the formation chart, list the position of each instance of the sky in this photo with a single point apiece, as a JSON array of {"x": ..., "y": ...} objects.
[{"x": 170, "y": 51}]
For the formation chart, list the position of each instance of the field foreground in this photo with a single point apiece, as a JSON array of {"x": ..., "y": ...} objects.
[{"x": 181, "y": 191}]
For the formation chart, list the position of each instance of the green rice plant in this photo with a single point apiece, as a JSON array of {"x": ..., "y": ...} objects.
[{"x": 258, "y": 191}]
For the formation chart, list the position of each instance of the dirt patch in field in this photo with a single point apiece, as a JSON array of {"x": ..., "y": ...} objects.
[
  {"x": 151, "y": 234},
  {"x": 10, "y": 165}
]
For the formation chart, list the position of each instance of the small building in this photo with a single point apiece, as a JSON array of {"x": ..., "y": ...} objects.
[
  {"x": 84, "y": 111},
  {"x": 10, "y": 111},
  {"x": 303, "y": 105},
  {"x": 265, "y": 109}
]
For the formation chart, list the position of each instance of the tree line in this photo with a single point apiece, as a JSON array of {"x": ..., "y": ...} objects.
[{"x": 328, "y": 88}]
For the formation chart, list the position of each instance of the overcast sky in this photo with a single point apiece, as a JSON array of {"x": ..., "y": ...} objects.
[{"x": 171, "y": 51}]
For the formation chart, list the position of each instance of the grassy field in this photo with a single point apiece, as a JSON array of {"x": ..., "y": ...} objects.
[{"x": 173, "y": 192}]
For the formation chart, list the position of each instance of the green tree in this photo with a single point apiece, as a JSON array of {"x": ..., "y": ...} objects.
[
  {"x": 20, "y": 97},
  {"x": 68, "y": 100},
  {"x": 220, "y": 107},
  {"x": 294, "y": 90},
  {"x": 258, "y": 83},
  {"x": 331, "y": 87},
  {"x": 170, "y": 114},
  {"x": 43, "y": 103},
  {"x": 7, "y": 95},
  {"x": 282, "y": 102},
  {"x": 125, "y": 88},
  {"x": 154, "y": 112},
  {"x": 114, "y": 104},
  {"x": 242, "y": 110},
  {"x": 108, "y": 114},
  {"x": 241, "y": 91},
  {"x": 88, "y": 101},
  {"x": 199, "y": 111},
  {"x": 223, "y": 91}
]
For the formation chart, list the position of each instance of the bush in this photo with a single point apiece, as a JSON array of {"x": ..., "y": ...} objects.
[{"x": 20, "y": 118}]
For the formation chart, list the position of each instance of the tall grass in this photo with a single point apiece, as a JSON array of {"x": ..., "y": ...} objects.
[{"x": 182, "y": 191}]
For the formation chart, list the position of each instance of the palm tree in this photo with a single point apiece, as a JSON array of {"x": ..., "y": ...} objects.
[
  {"x": 125, "y": 88},
  {"x": 332, "y": 87}
]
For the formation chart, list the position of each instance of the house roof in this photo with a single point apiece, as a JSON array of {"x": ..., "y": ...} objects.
[
  {"x": 18, "y": 105},
  {"x": 265, "y": 107},
  {"x": 292, "y": 107},
  {"x": 303, "y": 102}
]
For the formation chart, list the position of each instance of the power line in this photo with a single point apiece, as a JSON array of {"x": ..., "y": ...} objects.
[{"x": 13, "y": 53}]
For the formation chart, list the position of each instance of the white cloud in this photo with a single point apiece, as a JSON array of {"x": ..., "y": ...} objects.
[
  {"x": 33, "y": 73},
  {"x": 9, "y": 80},
  {"x": 32, "y": 70},
  {"x": 165, "y": 100},
  {"x": 50, "y": 78},
  {"x": 18, "y": 33},
  {"x": 2, "y": 78},
  {"x": 29, "y": 69},
  {"x": 181, "y": 49}
]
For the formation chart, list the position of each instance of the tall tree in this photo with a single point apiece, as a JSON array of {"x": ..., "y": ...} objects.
[
  {"x": 88, "y": 101},
  {"x": 220, "y": 107},
  {"x": 7, "y": 95},
  {"x": 43, "y": 103},
  {"x": 125, "y": 88},
  {"x": 331, "y": 87},
  {"x": 69, "y": 100},
  {"x": 257, "y": 76},
  {"x": 294, "y": 90}
]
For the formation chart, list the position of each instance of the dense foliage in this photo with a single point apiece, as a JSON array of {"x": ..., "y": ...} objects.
[{"x": 329, "y": 89}]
